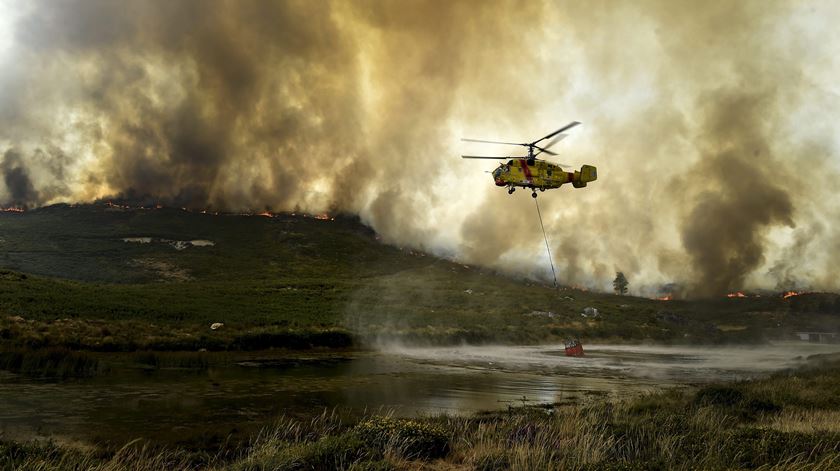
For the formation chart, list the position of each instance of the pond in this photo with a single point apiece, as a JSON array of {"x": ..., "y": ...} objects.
[{"x": 202, "y": 406}]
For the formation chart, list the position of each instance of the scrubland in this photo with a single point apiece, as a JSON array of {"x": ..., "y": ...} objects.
[{"x": 69, "y": 280}]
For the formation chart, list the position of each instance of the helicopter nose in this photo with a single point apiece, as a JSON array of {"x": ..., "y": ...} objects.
[{"x": 499, "y": 182}]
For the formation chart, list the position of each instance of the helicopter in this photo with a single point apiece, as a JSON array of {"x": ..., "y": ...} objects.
[{"x": 530, "y": 172}]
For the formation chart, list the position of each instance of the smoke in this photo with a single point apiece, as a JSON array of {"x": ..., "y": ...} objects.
[
  {"x": 723, "y": 229},
  {"x": 710, "y": 124},
  {"x": 19, "y": 187}
]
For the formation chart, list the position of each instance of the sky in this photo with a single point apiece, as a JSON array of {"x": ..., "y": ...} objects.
[{"x": 712, "y": 125}]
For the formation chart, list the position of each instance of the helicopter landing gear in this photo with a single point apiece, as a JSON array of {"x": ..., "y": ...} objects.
[
  {"x": 534, "y": 194},
  {"x": 542, "y": 190},
  {"x": 511, "y": 190}
]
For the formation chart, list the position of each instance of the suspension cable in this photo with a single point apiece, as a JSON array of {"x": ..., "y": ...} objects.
[{"x": 550, "y": 260}]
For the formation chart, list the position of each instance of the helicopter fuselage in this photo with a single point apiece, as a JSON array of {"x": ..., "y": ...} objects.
[{"x": 541, "y": 175}]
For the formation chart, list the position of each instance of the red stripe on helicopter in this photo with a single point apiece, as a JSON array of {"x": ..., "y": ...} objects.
[{"x": 526, "y": 170}]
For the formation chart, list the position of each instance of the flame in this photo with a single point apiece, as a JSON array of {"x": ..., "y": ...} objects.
[
  {"x": 736, "y": 294},
  {"x": 790, "y": 294},
  {"x": 12, "y": 210},
  {"x": 266, "y": 213},
  {"x": 667, "y": 297}
]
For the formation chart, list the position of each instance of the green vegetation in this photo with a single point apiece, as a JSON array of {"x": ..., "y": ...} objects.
[
  {"x": 787, "y": 421},
  {"x": 620, "y": 283},
  {"x": 296, "y": 282},
  {"x": 50, "y": 362}
]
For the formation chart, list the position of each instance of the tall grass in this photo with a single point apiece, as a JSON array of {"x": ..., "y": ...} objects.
[{"x": 51, "y": 362}]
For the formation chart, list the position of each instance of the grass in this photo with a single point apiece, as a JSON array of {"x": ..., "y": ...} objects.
[
  {"x": 51, "y": 363},
  {"x": 297, "y": 282},
  {"x": 745, "y": 425}
]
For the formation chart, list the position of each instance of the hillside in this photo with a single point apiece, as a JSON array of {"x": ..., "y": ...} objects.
[{"x": 106, "y": 277}]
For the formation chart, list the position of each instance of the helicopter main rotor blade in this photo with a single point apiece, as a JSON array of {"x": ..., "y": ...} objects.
[
  {"x": 543, "y": 150},
  {"x": 494, "y": 142},
  {"x": 516, "y": 157},
  {"x": 564, "y": 128},
  {"x": 556, "y": 139}
]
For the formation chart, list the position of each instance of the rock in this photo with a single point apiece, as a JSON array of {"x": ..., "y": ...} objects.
[
  {"x": 16, "y": 319},
  {"x": 468, "y": 291},
  {"x": 590, "y": 312},
  {"x": 548, "y": 314},
  {"x": 216, "y": 326}
]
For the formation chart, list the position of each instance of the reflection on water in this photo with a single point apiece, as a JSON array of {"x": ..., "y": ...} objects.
[{"x": 169, "y": 405}]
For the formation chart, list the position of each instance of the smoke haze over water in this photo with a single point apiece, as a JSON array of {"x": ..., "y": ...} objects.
[{"x": 711, "y": 123}]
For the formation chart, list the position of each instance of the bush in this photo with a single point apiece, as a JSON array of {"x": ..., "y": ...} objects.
[
  {"x": 738, "y": 404},
  {"x": 410, "y": 438},
  {"x": 326, "y": 454},
  {"x": 335, "y": 452},
  {"x": 718, "y": 396},
  {"x": 753, "y": 447}
]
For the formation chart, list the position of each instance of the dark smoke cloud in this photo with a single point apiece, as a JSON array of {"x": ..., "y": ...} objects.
[
  {"x": 357, "y": 107},
  {"x": 21, "y": 192},
  {"x": 737, "y": 194}
]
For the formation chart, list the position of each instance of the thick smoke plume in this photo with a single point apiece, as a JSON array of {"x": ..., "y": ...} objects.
[
  {"x": 20, "y": 190},
  {"x": 711, "y": 124}
]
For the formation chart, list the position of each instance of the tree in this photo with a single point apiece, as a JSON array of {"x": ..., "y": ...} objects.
[{"x": 620, "y": 283}]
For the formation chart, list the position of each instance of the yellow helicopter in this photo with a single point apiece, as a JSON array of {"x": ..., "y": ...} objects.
[{"x": 530, "y": 172}]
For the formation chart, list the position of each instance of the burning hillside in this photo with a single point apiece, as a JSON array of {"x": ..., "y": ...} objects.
[
  {"x": 268, "y": 214},
  {"x": 309, "y": 107}
]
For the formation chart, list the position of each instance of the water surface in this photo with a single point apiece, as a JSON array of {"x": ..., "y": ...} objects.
[{"x": 185, "y": 405}]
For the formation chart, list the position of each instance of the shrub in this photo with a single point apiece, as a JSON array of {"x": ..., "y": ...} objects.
[
  {"x": 326, "y": 454},
  {"x": 753, "y": 447},
  {"x": 718, "y": 396},
  {"x": 335, "y": 452},
  {"x": 410, "y": 438}
]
